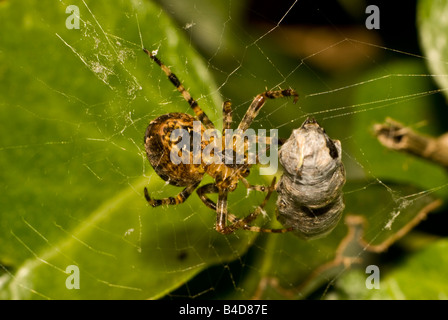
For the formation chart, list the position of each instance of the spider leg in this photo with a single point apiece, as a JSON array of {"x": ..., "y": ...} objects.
[
  {"x": 221, "y": 212},
  {"x": 268, "y": 140},
  {"x": 267, "y": 230},
  {"x": 243, "y": 223},
  {"x": 226, "y": 116},
  {"x": 202, "y": 191},
  {"x": 180, "y": 198},
  {"x": 257, "y": 187},
  {"x": 267, "y": 143},
  {"x": 259, "y": 101},
  {"x": 237, "y": 223},
  {"x": 176, "y": 82},
  {"x": 212, "y": 188}
]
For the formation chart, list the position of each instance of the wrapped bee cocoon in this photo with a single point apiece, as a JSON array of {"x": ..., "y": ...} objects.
[{"x": 310, "y": 199}]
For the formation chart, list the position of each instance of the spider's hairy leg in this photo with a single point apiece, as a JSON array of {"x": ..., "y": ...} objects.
[
  {"x": 180, "y": 198},
  {"x": 176, "y": 82},
  {"x": 226, "y": 116},
  {"x": 264, "y": 144},
  {"x": 238, "y": 223},
  {"x": 257, "y": 187},
  {"x": 259, "y": 101},
  {"x": 267, "y": 230},
  {"x": 202, "y": 191},
  {"x": 267, "y": 142},
  {"x": 221, "y": 212},
  {"x": 212, "y": 188},
  {"x": 243, "y": 223}
]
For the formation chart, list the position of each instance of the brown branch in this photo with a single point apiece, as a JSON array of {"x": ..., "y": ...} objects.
[{"x": 396, "y": 136}]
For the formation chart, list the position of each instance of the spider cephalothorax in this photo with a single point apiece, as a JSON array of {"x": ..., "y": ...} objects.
[{"x": 188, "y": 174}]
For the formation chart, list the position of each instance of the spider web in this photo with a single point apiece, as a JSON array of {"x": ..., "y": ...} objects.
[{"x": 269, "y": 50}]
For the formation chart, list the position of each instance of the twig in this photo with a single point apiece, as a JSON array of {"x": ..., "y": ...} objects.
[{"x": 396, "y": 136}]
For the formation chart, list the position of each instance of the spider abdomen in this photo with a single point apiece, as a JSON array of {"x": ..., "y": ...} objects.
[
  {"x": 310, "y": 190},
  {"x": 159, "y": 144}
]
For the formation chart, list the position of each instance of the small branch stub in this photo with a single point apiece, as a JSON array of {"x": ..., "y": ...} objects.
[{"x": 396, "y": 136}]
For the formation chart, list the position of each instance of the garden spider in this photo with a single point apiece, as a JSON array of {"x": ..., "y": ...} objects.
[{"x": 158, "y": 145}]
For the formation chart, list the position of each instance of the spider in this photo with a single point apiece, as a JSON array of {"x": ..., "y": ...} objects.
[{"x": 158, "y": 145}]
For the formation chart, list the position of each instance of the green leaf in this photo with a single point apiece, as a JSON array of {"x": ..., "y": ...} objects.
[
  {"x": 420, "y": 276},
  {"x": 417, "y": 277},
  {"x": 433, "y": 34},
  {"x": 74, "y": 108}
]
